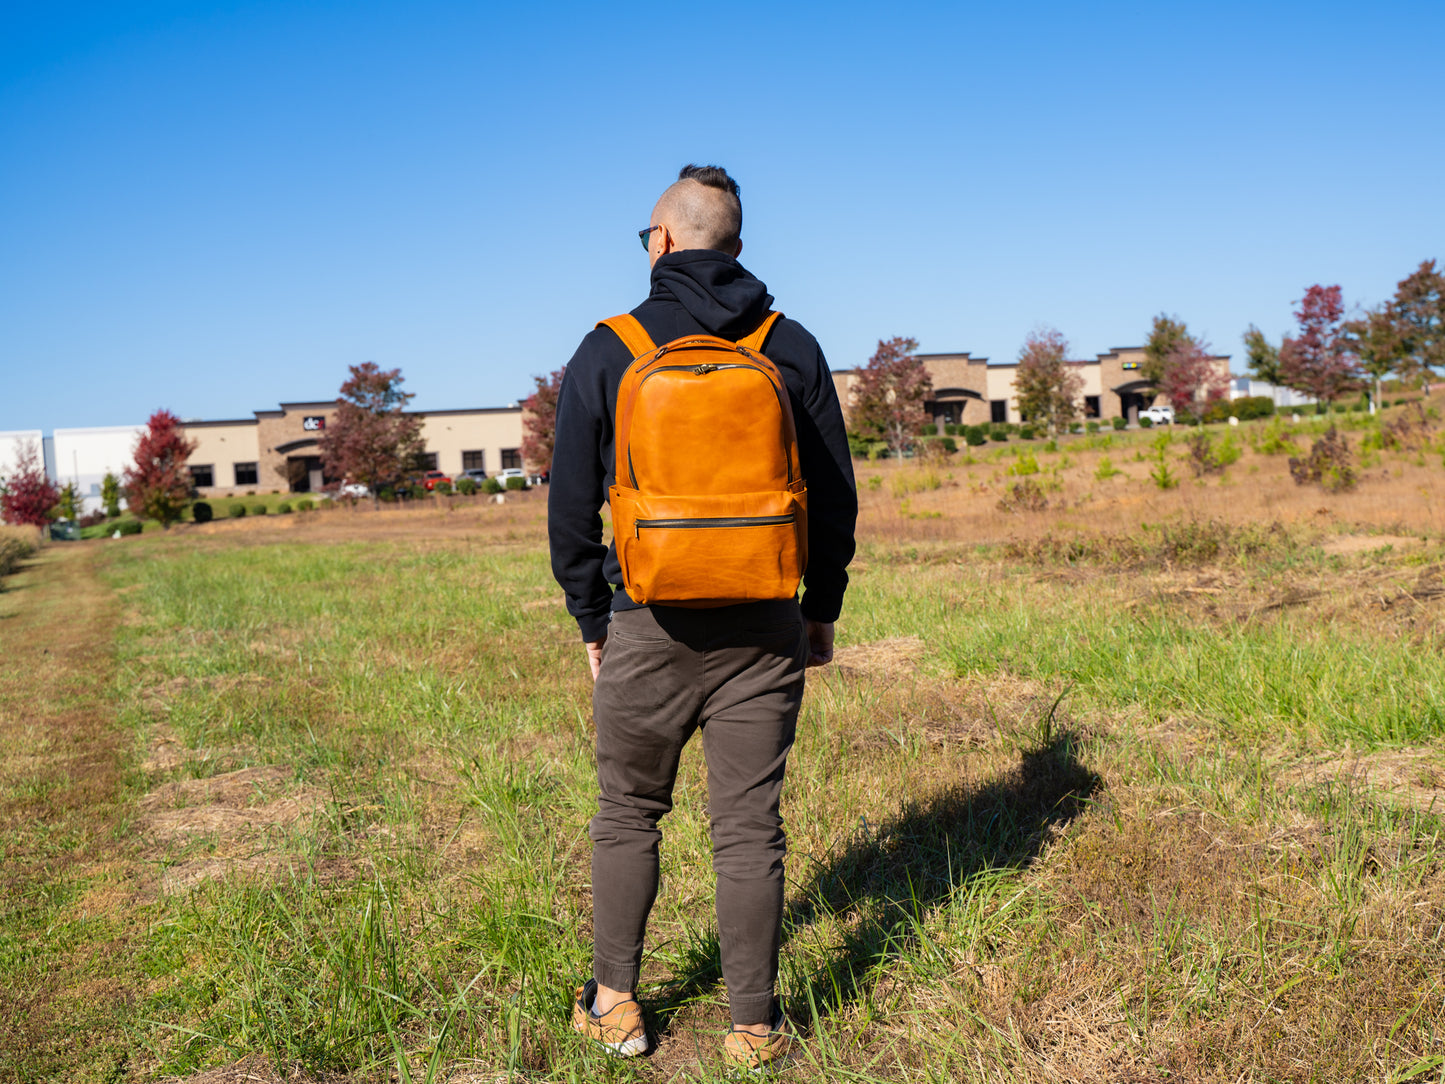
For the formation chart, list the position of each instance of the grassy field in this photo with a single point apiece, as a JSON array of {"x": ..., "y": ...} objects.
[{"x": 1136, "y": 784}]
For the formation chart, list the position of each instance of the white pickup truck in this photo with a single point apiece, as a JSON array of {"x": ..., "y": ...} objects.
[{"x": 1158, "y": 415}]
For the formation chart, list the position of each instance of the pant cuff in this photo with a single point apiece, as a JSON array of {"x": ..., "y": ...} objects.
[
  {"x": 617, "y": 976},
  {"x": 751, "y": 1010}
]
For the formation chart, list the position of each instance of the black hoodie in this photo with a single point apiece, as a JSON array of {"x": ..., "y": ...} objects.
[{"x": 696, "y": 291}]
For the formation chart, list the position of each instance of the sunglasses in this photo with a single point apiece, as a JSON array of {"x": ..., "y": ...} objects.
[{"x": 642, "y": 235}]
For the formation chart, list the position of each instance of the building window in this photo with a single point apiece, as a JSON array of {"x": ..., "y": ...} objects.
[
  {"x": 245, "y": 474},
  {"x": 426, "y": 461},
  {"x": 474, "y": 461},
  {"x": 203, "y": 476},
  {"x": 998, "y": 411},
  {"x": 511, "y": 458},
  {"x": 1091, "y": 406}
]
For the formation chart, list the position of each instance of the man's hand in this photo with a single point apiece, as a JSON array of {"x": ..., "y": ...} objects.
[
  {"x": 820, "y": 642},
  {"x": 594, "y": 653}
]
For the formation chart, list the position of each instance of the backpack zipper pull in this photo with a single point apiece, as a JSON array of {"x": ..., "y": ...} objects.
[{"x": 704, "y": 368}]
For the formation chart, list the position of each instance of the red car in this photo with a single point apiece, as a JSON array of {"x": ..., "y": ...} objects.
[{"x": 433, "y": 477}]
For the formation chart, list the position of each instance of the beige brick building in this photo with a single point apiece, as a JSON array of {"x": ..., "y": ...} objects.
[
  {"x": 277, "y": 449},
  {"x": 969, "y": 391}
]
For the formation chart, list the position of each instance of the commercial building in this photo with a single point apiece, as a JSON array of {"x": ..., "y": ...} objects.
[
  {"x": 279, "y": 449},
  {"x": 272, "y": 450},
  {"x": 969, "y": 391}
]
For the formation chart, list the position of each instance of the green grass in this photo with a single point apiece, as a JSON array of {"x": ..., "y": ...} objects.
[{"x": 1036, "y": 822}]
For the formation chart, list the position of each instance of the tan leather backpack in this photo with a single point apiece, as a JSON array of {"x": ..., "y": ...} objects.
[{"x": 710, "y": 507}]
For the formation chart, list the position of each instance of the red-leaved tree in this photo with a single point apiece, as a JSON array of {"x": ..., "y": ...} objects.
[
  {"x": 371, "y": 440},
  {"x": 1191, "y": 378},
  {"x": 1418, "y": 310},
  {"x": 157, "y": 484},
  {"x": 1047, "y": 386},
  {"x": 28, "y": 495},
  {"x": 1316, "y": 361},
  {"x": 888, "y": 398},
  {"x": 539, "y": 422}
]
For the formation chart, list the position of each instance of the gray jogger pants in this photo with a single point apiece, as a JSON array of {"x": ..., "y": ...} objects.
[{"x": 737, "y": 673}]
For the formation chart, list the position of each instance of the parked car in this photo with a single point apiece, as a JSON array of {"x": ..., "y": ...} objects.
[
  {"x": 433, "y": 477},
  {"x": 476, "y": 474},
  {"x": 511, "y": 472},
  {"x": 354, "y": 490},
  {"x": 1158, "y": 415}
]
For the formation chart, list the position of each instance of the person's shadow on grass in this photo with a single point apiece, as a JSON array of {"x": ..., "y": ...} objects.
[{"x": 885, "y": 879}]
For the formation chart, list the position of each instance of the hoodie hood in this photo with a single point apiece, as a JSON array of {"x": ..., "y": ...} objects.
[{"x": 717, "y": 291}]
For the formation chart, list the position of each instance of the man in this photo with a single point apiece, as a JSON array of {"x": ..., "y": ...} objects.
[{"x": 662, "y": 672}]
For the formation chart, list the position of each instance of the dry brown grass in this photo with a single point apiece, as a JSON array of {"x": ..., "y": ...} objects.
[{"x": 1403, "y": 494}]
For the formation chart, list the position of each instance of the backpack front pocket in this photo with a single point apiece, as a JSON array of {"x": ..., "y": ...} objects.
[{"x": 748, "y": 546}]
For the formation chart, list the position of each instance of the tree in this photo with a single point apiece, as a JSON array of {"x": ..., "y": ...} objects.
[
  {"x": 539, "y": 422},
  {"x": 1192, "y": 379},
  {"x": 157, "y": 484},
  {"x": 68, "y": 504},
  {"x": 887, "y": 401},
  {"x": 1374, "y": 339},
  {"x": 1418, "y": 312},
  {"x": 1047, "y": 387},
  {"x": 1317, "y": 361},
  {"x": 371, "y": 440},
  {"x": 1166, "y": 334},
  {"x": 110, "y": 494},
  {"x": 1262, "y": 355},
  {"x": 29, "y": 495}
]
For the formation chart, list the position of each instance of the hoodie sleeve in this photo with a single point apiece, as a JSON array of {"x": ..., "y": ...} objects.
[
  {"x": 832, "y": 495},
  {"x": 575, "y": 495}
]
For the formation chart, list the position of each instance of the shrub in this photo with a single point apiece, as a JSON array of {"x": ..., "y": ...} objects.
[
  {"x": 929, "y": 430},
  {"x": 284, "y": 508},
  {"x": 93, "y": 519},
  {"x": 386, "y": 493},
  {"x": 1146, "y": 423},
  {"x": 1076, "y": 428},
  {"x": 974, "y": 435},
  {"x": 1025, "y": 496},
  {"x": 128, "y": 527},
  {"x": 952, "y": 430},
  {"x": 236, "y": 510},
  {"x": 998, "y": 432},
  {"x": 1027, "y": 432},
  {"x": 515, "y": 483},
  {"x": 1091, "y": 427},
  {"x": 1329, "y": 464},
  {"x": 16, "y": 544},
  {"x": 1121, "y": 423},
  {"x": 491, "y": 487},
  {"x": 258, "y": 510},
  {"x": 466, "y": 486},
  {"x": 1203, "y": 459},
  {"x": 200, "y": 512},
  {"x": 1025, "y": 464},
  {"x": 444, "y": 488},
  {"x": 305, "y": 504}
]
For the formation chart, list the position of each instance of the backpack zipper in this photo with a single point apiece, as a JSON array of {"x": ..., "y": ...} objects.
[
  {"x": 702, "y": 370},
  {"x": 720, "y": 521}
]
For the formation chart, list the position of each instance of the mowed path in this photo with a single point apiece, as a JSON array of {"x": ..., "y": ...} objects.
[{"x": 66, "y": 877}]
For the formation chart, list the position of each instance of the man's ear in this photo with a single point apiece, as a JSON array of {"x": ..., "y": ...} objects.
[{"x": 739, "y": 250}]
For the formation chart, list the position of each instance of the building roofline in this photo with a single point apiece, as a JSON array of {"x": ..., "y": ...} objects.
[{"x": 211, "y": 424}]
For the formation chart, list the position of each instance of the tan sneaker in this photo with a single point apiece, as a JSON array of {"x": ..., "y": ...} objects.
[
  {"x": 759, "y": 1052},
  {"x": 620, "y": 1030}
]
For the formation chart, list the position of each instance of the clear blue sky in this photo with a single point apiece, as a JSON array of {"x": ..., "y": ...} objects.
[{"x": 213, "y": 207}]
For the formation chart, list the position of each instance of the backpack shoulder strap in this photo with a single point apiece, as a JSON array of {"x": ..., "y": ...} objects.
[
  {"x": 760, "y": 334},
  {"x": 632, "y": 334}
]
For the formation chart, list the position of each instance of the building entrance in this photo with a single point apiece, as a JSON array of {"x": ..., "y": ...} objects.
[{"x": 303, "y": 472}]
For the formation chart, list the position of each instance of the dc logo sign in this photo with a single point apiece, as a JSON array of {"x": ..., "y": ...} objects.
[{"x": 313, "y": 424}]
